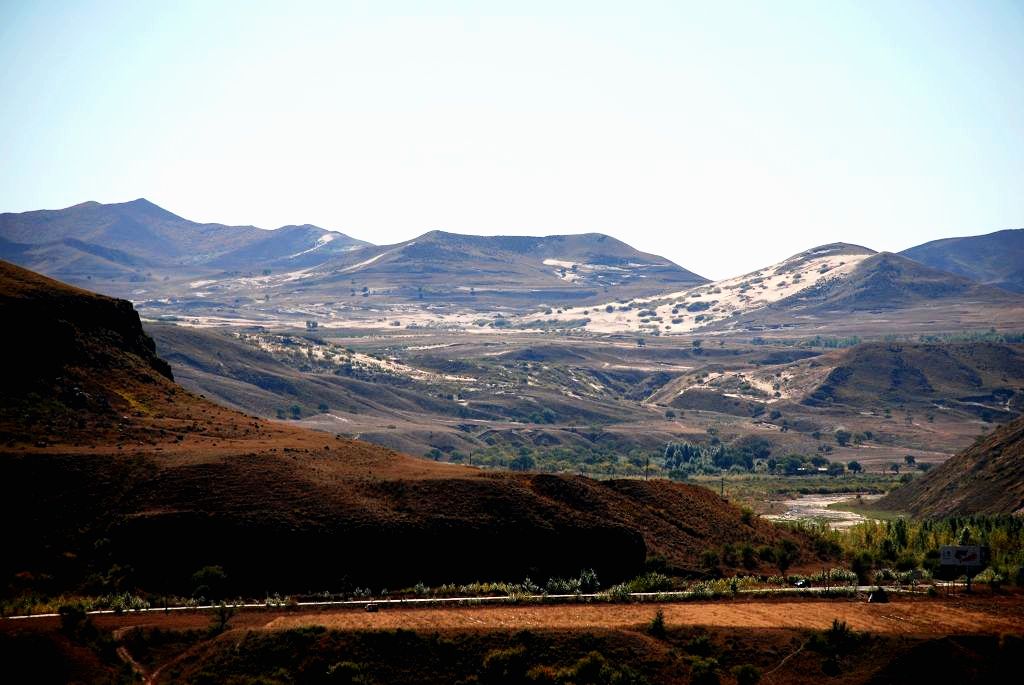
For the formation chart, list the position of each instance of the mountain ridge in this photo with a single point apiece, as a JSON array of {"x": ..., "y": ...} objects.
[{"x": 995, "y": 258}]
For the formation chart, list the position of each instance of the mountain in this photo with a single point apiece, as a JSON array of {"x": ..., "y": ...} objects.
[
  {"x": 987, "y": 478},
  {"x": 138, "y": 241},
  {"x": 838, "y": 288},
  {"x": 994, "y": 259},
  {"x": 502, "y": 271},
  {"x": 121, "y": 479}
]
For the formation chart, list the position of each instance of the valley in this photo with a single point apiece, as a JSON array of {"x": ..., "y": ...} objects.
[{"x": 519, "y": 437}]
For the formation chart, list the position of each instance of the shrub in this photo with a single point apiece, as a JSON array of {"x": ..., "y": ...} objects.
[
  {"x": 73, "y": 619},
  {"x": 209, "y": 582},
  {"x": 701, "y": 646},
  {"x": 657, "y": 625},
  {"x": 991, "y": 577},
  {"x": 347, "y": 673},
  {"x": 747, "y": 674},
  {"x": 595, "y": 668},
  {"x": 505, "y": 666},
  {"x": 709, "y": 559},
  {"x": 704, "y": 671},
  {"x": 747, "y": 556}
]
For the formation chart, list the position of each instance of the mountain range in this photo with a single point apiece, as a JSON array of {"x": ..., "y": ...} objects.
[
  {"x": 173, "y": 268},
  {"x": 135, "y": 240},
  {"x": 134, "y": 248}
]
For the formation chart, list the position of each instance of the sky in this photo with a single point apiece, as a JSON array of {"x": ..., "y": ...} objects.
[{"x": 722, "y": 135}]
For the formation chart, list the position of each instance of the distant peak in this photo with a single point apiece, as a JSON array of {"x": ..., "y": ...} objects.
[
  {"x": 144, "y": 206},
  {"x": 834, "y": 249}
]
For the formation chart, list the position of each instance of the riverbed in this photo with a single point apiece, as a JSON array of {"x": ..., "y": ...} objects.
[{"x": 815, "y": 507}]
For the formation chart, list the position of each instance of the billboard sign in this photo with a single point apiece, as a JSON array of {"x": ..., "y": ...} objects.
[{"x": 960, "y": 555}]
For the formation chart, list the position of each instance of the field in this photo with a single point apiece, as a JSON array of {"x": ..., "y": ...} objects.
[{"x": 785, "y": 640}]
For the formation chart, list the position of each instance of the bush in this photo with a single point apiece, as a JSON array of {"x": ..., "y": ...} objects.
[
  {"x": 502, "y": 666},
  {"x": 209, "y": 582},
  {"x": 709, "y": 559},
  {"x": 701, "y": 646},
  {"x": 657, "y": 625},
  {"x": 990, "y": 576},
  {"x": 73, "y": 619},
  {"x": 347, "y": 673},
  {"x": 747, "y": 674},
  {"x": 595, "y": 668},
  {"x": 704, "y": 671}
]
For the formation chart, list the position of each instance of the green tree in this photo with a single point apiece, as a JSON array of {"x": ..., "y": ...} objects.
[
  {"x": 786, "y": 553},
  {"x": 657, "y": 625},
  {"x": 855, "y": 467},
  {"x": 209, "y": 582}
]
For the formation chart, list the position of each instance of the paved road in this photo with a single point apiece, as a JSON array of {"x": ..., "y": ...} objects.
[{"x": 441, "y": 601}]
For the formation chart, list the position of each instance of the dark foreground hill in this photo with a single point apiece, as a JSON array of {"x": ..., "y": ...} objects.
[
  {"x": 117, "y": 478},
  {"x": 987, "y": 478},
  {"x": 994, "y": 259}
]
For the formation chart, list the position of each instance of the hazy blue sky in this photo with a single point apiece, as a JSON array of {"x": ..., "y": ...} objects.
[{"x": 721, "y": 135}]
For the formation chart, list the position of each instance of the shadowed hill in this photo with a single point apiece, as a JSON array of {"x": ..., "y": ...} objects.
[
  {"x": 994, "y": 259},
  {"x": 121, "y": 479},
  {"x": 987, "y": 478}
]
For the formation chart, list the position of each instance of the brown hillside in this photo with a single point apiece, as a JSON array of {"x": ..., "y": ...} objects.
[
  {"x": 987, "y": 478},
  {"x": 123, "y": 479}
]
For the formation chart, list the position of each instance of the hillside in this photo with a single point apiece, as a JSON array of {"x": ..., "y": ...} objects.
[
  {"x": 987, "y": 478},
  {"x": 159, "y": 483},
  {"x": 994, "y": 259},
  {"x": 499, "y": 271},
  {"x": 979, "y": 378},
  {"x": 837, "y": 288},
  {"x": 138, "y": 242}
]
